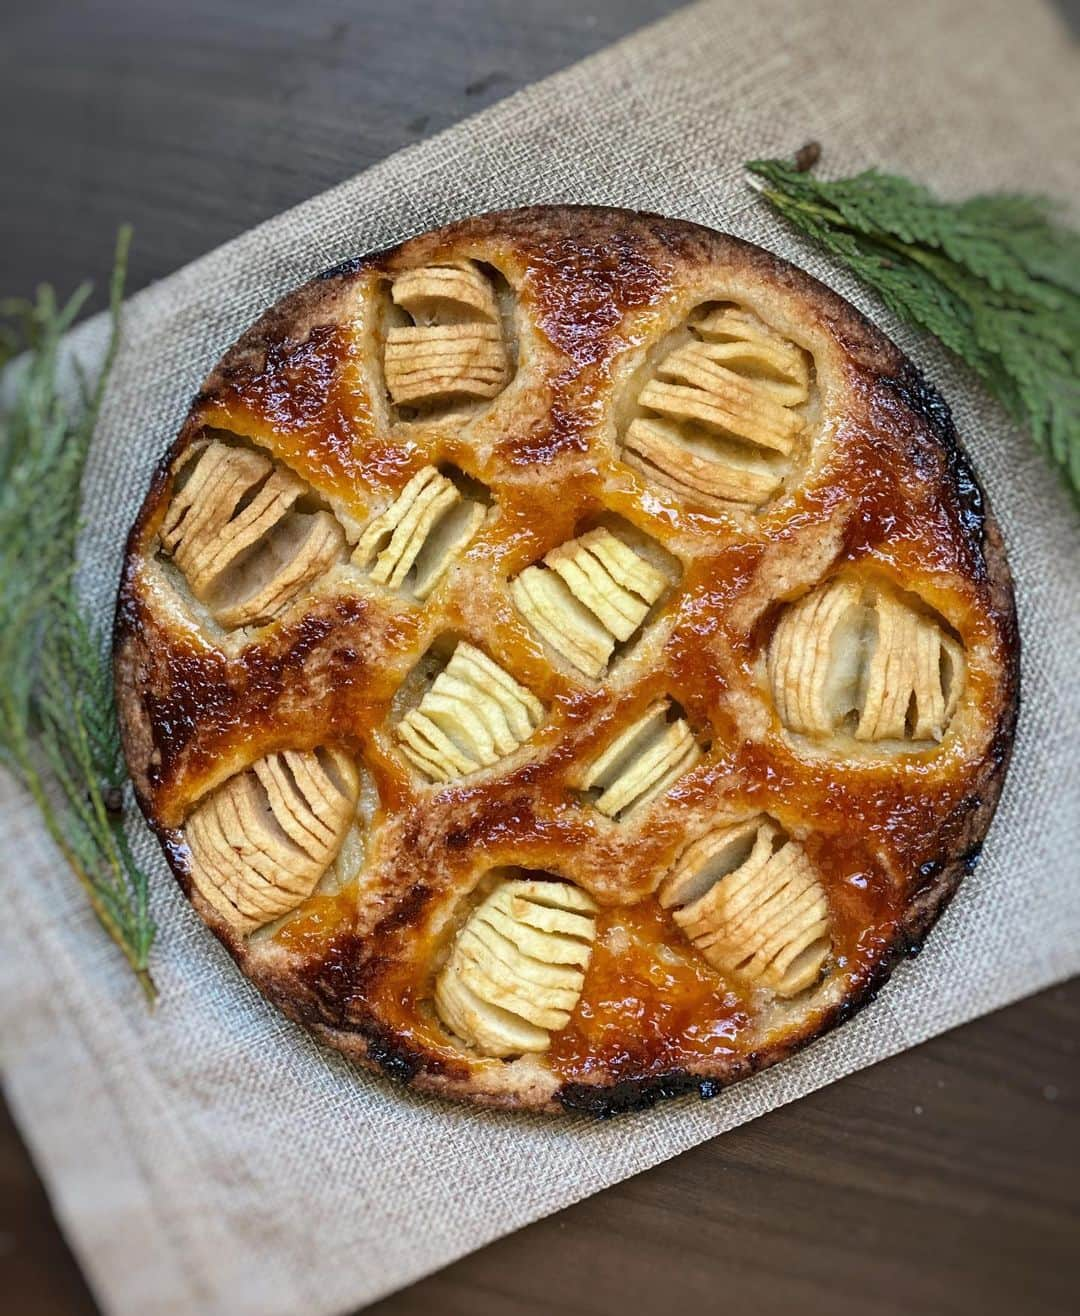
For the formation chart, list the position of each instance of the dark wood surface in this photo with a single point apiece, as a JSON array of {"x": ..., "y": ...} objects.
[{"x": 943, "y": 1181}]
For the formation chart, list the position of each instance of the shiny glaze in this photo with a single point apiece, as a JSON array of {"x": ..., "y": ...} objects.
[
  {"x": 652, "y": 1005},
  {"x": 893, "y": 499}
]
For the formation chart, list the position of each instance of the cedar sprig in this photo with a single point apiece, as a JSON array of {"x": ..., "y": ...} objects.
[
  {"x": 996, "y": 278},
  {"x": 58, "y": 728}
]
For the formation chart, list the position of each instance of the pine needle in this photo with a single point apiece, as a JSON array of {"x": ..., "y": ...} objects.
[
  {"x": 996, "y": 278},
  {"x": 58, "y": 728}
]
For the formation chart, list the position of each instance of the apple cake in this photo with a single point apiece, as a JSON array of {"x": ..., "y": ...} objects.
[{"x": 567, "y": 658}]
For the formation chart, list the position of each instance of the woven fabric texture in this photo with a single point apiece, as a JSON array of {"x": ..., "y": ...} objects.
[{"x": 210, "y": 1158}]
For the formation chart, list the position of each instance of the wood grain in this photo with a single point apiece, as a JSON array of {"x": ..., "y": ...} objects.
[
  {"x": 196, "y": 121},
  {"x": 943, "y": 1181}
]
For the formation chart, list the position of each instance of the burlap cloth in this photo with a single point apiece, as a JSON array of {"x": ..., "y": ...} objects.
[{"x": 210, "y": 1157}]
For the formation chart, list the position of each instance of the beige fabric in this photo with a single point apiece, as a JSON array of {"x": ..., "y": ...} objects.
[{"x": 211, "y": 1158}]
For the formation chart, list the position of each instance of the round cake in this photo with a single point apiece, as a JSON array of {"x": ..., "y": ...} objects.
[{"x": 567, "y": 658}]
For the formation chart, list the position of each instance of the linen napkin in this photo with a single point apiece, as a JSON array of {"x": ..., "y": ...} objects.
[{"x": 209, "y": 1157}]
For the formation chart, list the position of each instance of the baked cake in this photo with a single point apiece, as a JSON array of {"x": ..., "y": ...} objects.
[{"x": 567, "y": 658}]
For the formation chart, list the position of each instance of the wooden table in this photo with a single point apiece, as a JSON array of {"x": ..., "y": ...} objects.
[{"x": 943, "y": 1181}]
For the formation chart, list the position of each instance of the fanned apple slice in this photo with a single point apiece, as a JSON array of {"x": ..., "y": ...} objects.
[
  {"x": 473, "y": 715},
  {"x": 561, "y": 621},
  {"x": 431, "y": 750},
  {"x": 707, "y": 859},
  {"x": 531, "y": 942},
  {"x": 296, "y": 552},
  {"x": 234, "y": 530},
  {"x": 939, "y": 680},
  {"x": 913, "y": 676},
  {"x": 748, "y": 898},
  {"x": 816, "y": 656},
  {"x": 490, "y": 1029},
  {"x": 851, "y": 652},
  {"x": 437, "y": 362},
  {"x": 890, "y": 669},
  {"x": 520, "y": 706},
  {"x": 754, "y": 351},
  {"x": 454, "y": 347},
  {"x": 516, "y": 969},
  {"x": 412, "y": 545},
  {"x": 721, "y": 412},
  {"x": 692, "y": 384},
  {"x": 261, "y": 841},
  {"x": 642, "y": 762},
  {"x": 209, "y": 488},
  {"x": 590, "y": 593},
  {"x": 445, "y": 293},
  {"x": 609, "y": 578},
  {"x": 230, "y": 498},
  {"x": 699, "y": 467}
]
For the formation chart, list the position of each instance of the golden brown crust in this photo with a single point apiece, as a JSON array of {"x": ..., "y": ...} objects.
[{"x": 581, "y": 307}]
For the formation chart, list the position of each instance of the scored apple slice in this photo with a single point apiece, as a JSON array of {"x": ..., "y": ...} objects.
[
  {"x": 775, "y": 365},
  {"x": 234, "y": 530},
  {"x": 473, "y": 715},
  {"x": 443, "y": 294},
  {"x": 699, "y": 467},
  {"x": 692, "y": 385},
  {"x": 854, "y": 653},
  {"x": 913, "y": 676},
  {"x": 516, "y": 969},
  {"x": 642, "y": 761},
  {"x": 412, "y": 545},
  {"x": 748, "y": 898},
  {"x": 722, "y": 412},
  {"x": 454, "y": 346},
  {"x": 589, "y": 594},
  {"x": 260, "y": 842}
]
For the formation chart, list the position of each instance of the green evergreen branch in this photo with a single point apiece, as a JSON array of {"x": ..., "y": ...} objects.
[
  {"x": 996, "y": 278},
  {"x": 58, "y": 728}
]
